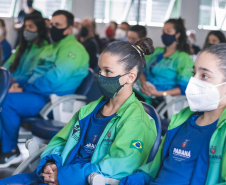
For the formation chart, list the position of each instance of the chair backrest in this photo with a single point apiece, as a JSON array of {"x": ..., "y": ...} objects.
[
  {"x": 86, "y": 84},
  {"x": 152, "y": 113},
  {"x": 4, "y": 83}
]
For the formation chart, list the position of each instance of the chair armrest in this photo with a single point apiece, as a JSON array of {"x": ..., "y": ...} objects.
[
  {"x": 28, "y": 161},
  {"x": 35, "y": 150},
  {"x": 170, "y": 104},
  {"x": 51, "y": 105},
  {"x": 98, "y": 179}
]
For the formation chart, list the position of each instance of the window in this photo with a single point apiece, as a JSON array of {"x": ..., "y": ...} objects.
[
  {"x": 47, "y": 7},
  {"x": 6, "y": 8},
  {"x": 144, "y": 12},
  {"x": 212, "y": 14}
]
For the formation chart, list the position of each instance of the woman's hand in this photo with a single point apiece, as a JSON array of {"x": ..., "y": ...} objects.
[
  {"x": 50, "y": 174},
  {"x": 15, "y": 88},
  {"x": 151, "y": 90}
]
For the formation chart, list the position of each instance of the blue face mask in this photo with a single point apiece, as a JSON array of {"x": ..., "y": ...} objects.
[
  {"x": 168, "y": 39},
  {"x": 109, "y": 86}
]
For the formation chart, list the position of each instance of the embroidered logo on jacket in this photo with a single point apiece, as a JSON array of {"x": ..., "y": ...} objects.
[
  {"x": 213, "y": 149},
  {"x": 185, "y": 143},
  {"x": 137, "y": 144},
  {"x": 75, "y": 130},
  {"x": 182, "y": 153},
  {"x": 214, "y": 153},
  {"x": 109, "y": 134}
]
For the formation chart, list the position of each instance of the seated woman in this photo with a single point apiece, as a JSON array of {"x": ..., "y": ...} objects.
[
  {"x": 33, "y": 39},
  {"x": 193, "y": 150},
  {"x": 214, "y": 37},
  {"x": 112, "y": 136},
  {"x": 169, "y": 68}
]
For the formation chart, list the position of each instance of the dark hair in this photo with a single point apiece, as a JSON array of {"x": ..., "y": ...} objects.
[
  {"x": 2, "y": 22},
  {"x": 219, "y": 51},
  {"x": 115, "y": 23},
  {"x": 179, "y": 27},
  {"x": 216, "y": 33},
  {"x": 68, "y": 15},
  {"x": 140, "y": 30},
  {"x": 42, "y": 35},
  {"x": 126, "y": 23},
  {"x": 132, "y": 55},
  {"x": 3, "y": 25}
]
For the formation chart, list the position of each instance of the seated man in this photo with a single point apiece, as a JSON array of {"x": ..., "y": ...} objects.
[
  {"x": 136, "y": 33},
  {"x": 87, "y": 33},
  {"x": 61, "y": 69}
]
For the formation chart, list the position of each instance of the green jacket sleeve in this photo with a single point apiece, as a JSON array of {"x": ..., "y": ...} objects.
[
  {"x": 10, "y": 60},
  {"x": 223, "y": 174},
  {"x": 66, "y": 66},
  {"x": 129, "y": 150}
]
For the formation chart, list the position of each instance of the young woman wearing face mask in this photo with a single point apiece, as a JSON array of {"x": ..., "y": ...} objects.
[
  {"x": 169, "y": 68},
  {"x": 112, "y": 131},
  {"x": 33, "y": 40},
  {"x": 214, "y": 37},
  {"x": 193, "y": 151}
]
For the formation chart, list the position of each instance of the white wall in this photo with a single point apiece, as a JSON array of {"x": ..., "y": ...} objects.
[{"x": 85, "y": 8}]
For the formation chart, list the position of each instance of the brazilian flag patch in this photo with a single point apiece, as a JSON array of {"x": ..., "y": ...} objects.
[{"x": 137, "y": 144}]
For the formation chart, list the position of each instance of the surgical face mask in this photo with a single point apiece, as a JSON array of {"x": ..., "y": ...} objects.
[
  {"x": 109, "y": 86},
  {"x": 168, "y": 39},
  {"x": 1, "y": 32},
  {"x": 120, "y": 34},
  {"x": 30, "y": 36},
  {"x": 202, "y": 96},
  {"x": 75, "y": 31},
  {"x": 57, "y": 34}
]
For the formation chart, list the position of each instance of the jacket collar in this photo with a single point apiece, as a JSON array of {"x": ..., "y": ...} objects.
[
  {"x": 126, "y": 104},
  {"x": 222, "y": 119},
  {"x": 65, "y": 40},
  {"x": 180, "y": 118},
  {"x": 86, "y": 110}
]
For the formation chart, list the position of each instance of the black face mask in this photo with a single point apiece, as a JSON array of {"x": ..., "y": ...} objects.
[
  {"x": 57, "y": 34},
  {"x": 84, "y": 32},
  {"x": 109, "y": 86},
  {"x": 29, "y": 3},
  {"x": 207, "y": 45}
]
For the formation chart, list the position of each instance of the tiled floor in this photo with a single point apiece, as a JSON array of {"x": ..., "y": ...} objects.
[{"x": 6, "y": 172}]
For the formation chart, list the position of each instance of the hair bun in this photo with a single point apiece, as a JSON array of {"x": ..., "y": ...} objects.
[{"x": 146, "y": 46}]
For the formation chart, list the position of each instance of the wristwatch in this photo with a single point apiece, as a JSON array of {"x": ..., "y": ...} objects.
[{"x": 164, "y": 93}]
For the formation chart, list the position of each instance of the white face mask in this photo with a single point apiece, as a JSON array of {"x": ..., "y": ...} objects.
[
  {"x": 202, "y": 96},
  {"x": 75, "y": 31},
  {"x": 120, "y": 34},
  {"x": 1, "y": 32}
]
